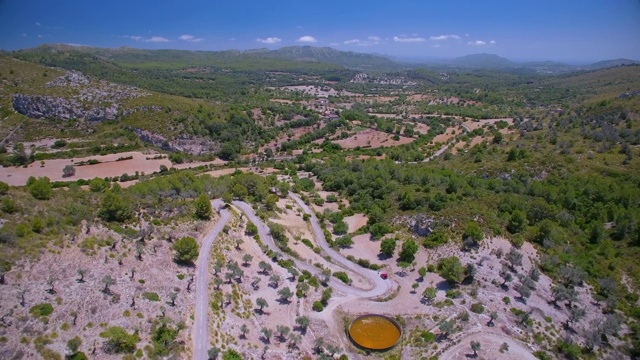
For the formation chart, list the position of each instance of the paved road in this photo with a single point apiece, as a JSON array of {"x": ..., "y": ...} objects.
[
  {"x": 380, "y": 287},
  {"x": 200, "y": 333}
]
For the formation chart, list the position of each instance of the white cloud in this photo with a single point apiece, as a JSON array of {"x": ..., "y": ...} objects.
[
  {"x": 190, "y": 38},
  {"x": 38, "y": 24},
  {"x": 405, "y": 39},
  {"x": 492, "y": 42},
  {"x": 436, "y": 45},
  {"x": 444, "y": 37},
  {"x": 477, "y": 43},
  {"x": 157, "y": 39},
  {"x": 153, "y": 39},
  {"x": 308, "y": 39},
  {"x": 269, "y": 40},
  {"x": 40, "y": 36},
  {"x": 334, "y": 44},
  {"x": 371, "y": 40},
  {"x": 24, "y": 35}
]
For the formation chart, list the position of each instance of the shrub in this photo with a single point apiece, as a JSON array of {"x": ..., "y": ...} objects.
[
  {"x": 428, "y": 336},
  {"x": 317, "y": 306},
  {"x": 41, "y": 188},
  {"x": 477, "y": 308},
  {"x": 4, "y": 188},
  {"x": 39, "y": 310},
  {"x": 151, "y": 296},
  {"x": 342, "y": 276},
  {"x": 186, "y": 249},
  {"x": 119, "y": 341}
]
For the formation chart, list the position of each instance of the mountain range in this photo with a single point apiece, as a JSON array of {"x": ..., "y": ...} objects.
[{"x": 307, "y": 54}]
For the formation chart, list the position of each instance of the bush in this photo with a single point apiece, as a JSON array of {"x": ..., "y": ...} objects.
[
  {"x": 119, "y": 341},
  {"x": 41, "y": 189},
  {"x": 477, "y": 308},
  {"x": 251, "y": 229},
  {"x": 4, "y": 188},
  {"x": 68, "y": 171},
  {"x": 151, "y": 296},
  {"x": 186, "y": 249},
  {"x": 317, "y": 306},
  {"x": 342, "y": 276},
  {"x": 114, "y": 208},
  {"x": 428, "y": 336},
  {"x": 203, "y": 207},
  {"x": 41, "y": 310}
]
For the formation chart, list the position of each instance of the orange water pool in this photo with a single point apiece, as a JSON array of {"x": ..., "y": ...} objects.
[{"x": 374, "y": 332}]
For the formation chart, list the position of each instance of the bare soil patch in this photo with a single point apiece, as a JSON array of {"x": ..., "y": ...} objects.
[
  {"x": 373, "y": 139},
  {"x": 108, "y": 167}
]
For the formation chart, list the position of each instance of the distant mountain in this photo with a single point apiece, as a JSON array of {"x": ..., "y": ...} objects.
[
  {"x": 482, "y": 61},
  {"x": 290, "y": 57},
  {"x": 612, "y": 63},
  {"x": 329, "y": 55},
  {"x": 177, "y": 58}
]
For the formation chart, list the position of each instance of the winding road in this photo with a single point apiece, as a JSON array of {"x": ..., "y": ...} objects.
[
  {"x": 380, "y": 286},
  {"x": 200, "y": 333}
]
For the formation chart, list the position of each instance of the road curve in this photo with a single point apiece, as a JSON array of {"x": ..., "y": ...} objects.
[
  {"x": 380, "y": 285},
  {"x": 200, "y": 333}
]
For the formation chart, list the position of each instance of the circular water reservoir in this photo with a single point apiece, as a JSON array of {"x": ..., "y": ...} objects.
[{"x": 375, "y": 332}]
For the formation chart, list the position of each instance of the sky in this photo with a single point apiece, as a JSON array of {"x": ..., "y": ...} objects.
[{"x": 577, "y": 31}]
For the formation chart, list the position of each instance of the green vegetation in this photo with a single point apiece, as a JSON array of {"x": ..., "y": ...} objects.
[
  {"x": 186, "y": 249},
  {"x": 40, "y": 310},
  {"x": 118, "y": 341}
]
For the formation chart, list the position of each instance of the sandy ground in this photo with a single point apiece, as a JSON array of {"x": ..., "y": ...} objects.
[
  {"x": 421, "y": 128},
  {"x": 490, "y": 348},
  {"x": 108, "y": 166},
  {"x": 448, "y": 135},
  {"x": 355, "y": 222},
  {"x": 373, "y": 139},
  {"x": 216, "y": 162},
  {"x": 92, "y": 306}
]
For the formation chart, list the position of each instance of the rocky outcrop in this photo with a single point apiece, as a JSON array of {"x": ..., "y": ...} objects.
[
  {"x": 195, "y": 145},
  {"x": 421, "y": 225},
  {"x": 92, "y": 100},
  {"x": 45, "y": 107},
  {"x": 72, "y": 79}
]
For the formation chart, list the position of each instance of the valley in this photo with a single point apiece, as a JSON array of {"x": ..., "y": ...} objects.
[{"x": 175, "y": 204}]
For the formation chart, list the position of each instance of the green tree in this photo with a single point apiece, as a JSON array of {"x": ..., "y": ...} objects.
[
  {"x": 203, "y": 207},
  {"x": 41, "y": 189},
  {"x": 186, "y": 249},
  {"x": 517, "y": 222},
  {"x": 119, "y": 341},
  {"x": 340, "y": 228},
  {"x": 98, "y": 185},
  {"x": 472, "y": 231},
  {"x": 451, "y": 269},
  {"x": 114, "y": 208},
  {"x": 239, "y": 191},
  {"x": 429, "y": 294},
  {"x": 475, "y": 346},
  {"x": 261, "y": 303},
  {"x": 388, "y": 247},
  {"x": 4, "y": 188},
  {"x": 408, "y": 252},
  {"x": 68, "y": 171}
]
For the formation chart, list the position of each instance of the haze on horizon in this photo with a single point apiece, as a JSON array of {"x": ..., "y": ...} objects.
[{"x": 570, "y": 31}]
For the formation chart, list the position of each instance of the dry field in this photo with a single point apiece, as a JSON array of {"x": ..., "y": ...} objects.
[
  {"x": 373, "y": 139},
  {"x": 108, "y": 166}
]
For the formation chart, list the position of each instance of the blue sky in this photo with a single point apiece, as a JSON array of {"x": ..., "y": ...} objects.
[{"x": 563, "y": 30}]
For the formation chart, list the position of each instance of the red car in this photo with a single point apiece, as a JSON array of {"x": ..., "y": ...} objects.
[{"x": 384, "y": 276}]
